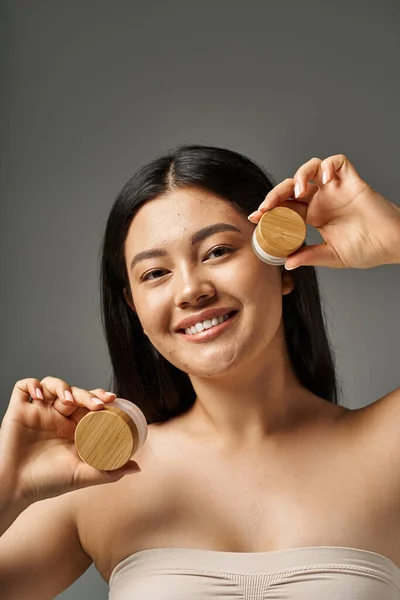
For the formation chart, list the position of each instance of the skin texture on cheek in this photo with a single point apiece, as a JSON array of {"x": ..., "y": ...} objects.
[{"x": 260, "y": 317}]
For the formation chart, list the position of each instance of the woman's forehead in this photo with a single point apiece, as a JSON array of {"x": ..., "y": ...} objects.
[
  {"x": 186, "y": 208},
  {"x": 174, "y": 218}
]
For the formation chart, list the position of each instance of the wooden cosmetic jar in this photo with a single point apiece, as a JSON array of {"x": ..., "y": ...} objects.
[
  {"x": 280, "y": 232},
  {"x": 108, "y": 438}
]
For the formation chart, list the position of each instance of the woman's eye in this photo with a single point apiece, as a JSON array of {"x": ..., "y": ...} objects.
[
  {"x": 219, "y": 251},
  {"x": 154, "y": 274}
]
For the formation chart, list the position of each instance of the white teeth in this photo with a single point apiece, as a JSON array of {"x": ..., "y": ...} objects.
[{"x": 207, "y": 324}]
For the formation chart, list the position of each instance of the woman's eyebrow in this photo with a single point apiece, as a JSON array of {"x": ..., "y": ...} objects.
[
  {"x": 204, "y": 233},
  {"x": 197, "y": 237},
  {"x": 146, "y": 254}
]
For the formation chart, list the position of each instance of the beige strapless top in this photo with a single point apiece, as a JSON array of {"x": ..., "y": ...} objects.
[{"x": 310, "y": 573}]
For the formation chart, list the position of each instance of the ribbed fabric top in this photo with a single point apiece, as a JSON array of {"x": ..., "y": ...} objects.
[{"x": 310, "y": 573}]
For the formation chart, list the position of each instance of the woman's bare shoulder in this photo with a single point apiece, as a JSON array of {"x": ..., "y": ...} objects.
[
  {"x": 103, "y": 511},
  {"x": 374, "y": 435},
  {"x": 150, "y": 457},
  {"x": 155, "y": 459},
  {"x": 381, "y": 415}
]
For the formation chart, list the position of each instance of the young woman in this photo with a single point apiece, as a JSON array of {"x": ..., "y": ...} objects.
[{"x": 254, "y": 482}]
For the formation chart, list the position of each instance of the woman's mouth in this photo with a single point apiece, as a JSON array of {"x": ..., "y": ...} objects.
[{"x": 208, "y": 329}]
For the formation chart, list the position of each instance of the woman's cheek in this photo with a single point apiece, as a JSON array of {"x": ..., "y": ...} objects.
[{"x": 153, "y": 316}]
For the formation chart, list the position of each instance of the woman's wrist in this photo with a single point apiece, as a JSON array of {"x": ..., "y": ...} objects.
[
  {"x": 396, "y": 246},
  {"x": 10, "y": 508}
]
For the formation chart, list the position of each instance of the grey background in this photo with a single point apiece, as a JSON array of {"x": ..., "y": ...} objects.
[{"x": 91, "y": 90}]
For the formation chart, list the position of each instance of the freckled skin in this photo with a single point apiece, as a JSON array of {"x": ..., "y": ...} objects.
[{"x": 191, "y": 281}]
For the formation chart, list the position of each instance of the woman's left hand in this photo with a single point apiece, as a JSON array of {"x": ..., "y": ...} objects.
[{"x": 360, "y": 228}]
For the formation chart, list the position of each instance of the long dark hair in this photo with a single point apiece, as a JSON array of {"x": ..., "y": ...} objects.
[{"x": 139, "y": 372}]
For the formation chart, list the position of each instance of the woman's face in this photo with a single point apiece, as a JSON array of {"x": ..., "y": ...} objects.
[{"x": 189, "y": 260}]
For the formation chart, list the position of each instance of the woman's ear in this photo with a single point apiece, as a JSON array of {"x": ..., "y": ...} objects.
[
  {"x": 129, "y": 300},
  {"x": 287, "y": 282}
]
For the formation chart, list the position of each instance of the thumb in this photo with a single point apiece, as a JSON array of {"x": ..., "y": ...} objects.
[
  {"x": 130, "y": 467},
  {"x": 317, "y": 255},
  {"x": 95, "y": 476}
]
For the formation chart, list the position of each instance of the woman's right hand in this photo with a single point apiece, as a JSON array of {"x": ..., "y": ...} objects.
[{"x": 38, "y": 457}]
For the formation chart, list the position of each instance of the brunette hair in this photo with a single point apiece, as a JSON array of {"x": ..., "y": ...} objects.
[{"x": 139, "y": 372}]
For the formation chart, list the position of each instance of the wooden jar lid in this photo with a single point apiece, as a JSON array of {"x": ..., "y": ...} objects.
[
  {"x": 107, "y": 439},
  {"x": 280, "y": 232}
]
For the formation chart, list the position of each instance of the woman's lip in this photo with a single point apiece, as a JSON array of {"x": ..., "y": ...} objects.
[{"x": 208, "y": 334}]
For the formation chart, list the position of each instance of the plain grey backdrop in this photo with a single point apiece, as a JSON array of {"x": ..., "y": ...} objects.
[{"x": 91, "y": 90}]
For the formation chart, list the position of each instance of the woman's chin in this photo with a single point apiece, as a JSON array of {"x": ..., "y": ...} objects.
[{"x": 214, "y": 367}]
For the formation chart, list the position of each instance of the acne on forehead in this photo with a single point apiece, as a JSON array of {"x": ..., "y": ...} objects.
[{"x": 186, "y": 211}]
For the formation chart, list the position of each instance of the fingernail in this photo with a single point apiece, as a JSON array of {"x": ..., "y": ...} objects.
[
  {"x": 253, "y": 214},
  {"x": 97, "y": 401},
  {"x": 297, "y": 190},
  {"x": 133, "y": 467},
  {"x": 39, "y": 393},
  {"x": 109, "y": 394},
  {"x": 324, "y": 177},
  {"x": 68, "y": 396}
]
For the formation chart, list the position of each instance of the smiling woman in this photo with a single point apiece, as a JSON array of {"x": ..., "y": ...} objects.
[
  {"x": 250, "y": 481},
  {"x": 177, "y": 254}
]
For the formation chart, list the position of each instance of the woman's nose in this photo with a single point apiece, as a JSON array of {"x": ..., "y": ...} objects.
[{"x": 193, "y": 289}]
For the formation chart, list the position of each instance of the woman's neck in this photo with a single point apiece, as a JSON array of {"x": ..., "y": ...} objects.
[{"x": 249, "y": 405}]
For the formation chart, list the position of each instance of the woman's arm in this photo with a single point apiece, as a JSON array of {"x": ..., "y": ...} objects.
[
  {"x": 9, "y": 510},
  {"x": 40, "y": 553}
]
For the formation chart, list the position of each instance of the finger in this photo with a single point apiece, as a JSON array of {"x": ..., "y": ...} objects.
[
  {"x": 285, "y": 192},
  {"x": 299, "y": 207},
  {"x": 84, "y": 398},
  {"x": 104, "y": 395},
  {"x": 282, "y": 195},
  {"x": 317, "y": 255},
  {"x": 310, "y": 171},
  {"x": 78, "y": 409},
  {"x": 54, "y": 388},
  {"x": 324, "y": 171},
  {"x": 82, "y": 402},
  {"x": 335, "y": 167},
  {"x": 94, "y": 476},
  {"x": 130, "y": 467},
  {"x": 26, "y": 389},
  {"x": 31, "y": 390},
  {"x": 66, "y": 399}
]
